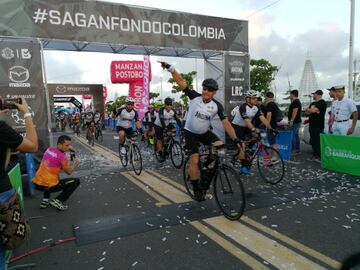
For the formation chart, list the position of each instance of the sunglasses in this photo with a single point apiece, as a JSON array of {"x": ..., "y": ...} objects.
[
  {"x": 132, "y": 104},
  {"x": 209, "y": 90},
  {"x": 168, "y": 104}
]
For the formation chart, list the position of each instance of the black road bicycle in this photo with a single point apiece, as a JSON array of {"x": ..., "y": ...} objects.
[
  {"x": 132, "y": 154},
  {"x": 227, "y": 186},
  {"x": 171, "y": 147},
  {"x": 98, "y": 133}
]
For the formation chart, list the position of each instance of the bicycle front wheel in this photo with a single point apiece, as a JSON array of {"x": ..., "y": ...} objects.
[
  {"x": 91, "y": 139},
  {"x": 270, "y": 165},
  {"x": 135, "y": 159},
  {"x": 187, "y": 180},
  {"x": 229, "y": 192},
  {"x": 176, "y": 155},
  {"x": 123, "y": 157}
]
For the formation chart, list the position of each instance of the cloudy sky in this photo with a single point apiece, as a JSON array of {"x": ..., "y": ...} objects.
[{"x": 285, "y": 32}]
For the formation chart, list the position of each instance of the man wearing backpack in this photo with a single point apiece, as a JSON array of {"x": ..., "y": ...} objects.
[{"x": 273, "y": 116}]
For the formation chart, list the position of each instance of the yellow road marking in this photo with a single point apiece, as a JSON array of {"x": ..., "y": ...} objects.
[
  {"x": 313, "y": 253},
  {"x": 228, "y": 246},
  {"x": 170, "y": 181},
  {"x": 264, "y": 247},
  {"x": 168, "y": 191},
  {"x": 275, "y": 253},
  {"x": 161, "y": 200}
]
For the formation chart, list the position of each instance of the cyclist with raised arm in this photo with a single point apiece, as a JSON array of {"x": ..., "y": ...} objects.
[
  {"x": 202, "y": 109},
  {"x": 164, "y": 121},
  {"x": 244, "y": 124},
  {"x": 126, "y": 116}
]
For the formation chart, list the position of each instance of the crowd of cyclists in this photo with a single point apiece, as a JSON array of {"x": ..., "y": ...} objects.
[
  {"x": 195, "y": 127},
  {"x": 88, "y": 120}
]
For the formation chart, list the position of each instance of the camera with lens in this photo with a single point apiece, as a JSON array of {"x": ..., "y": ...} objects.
[{"x": 9, "y": 103}]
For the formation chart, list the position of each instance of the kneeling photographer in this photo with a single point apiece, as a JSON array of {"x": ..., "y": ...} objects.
[{"x": 47, "y": 178}]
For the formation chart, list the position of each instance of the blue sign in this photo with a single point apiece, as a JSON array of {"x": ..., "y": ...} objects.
[
  {"x": 30, "y": 168},
  {"x": 284, "y": 140}
]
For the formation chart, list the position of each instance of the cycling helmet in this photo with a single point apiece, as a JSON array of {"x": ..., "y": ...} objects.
[
  {"x": 210, "y": 83},
  {"x": 252, "y": 93},
  {"x": 158, "y": 104},
  {"x": 130, "y": 100},
  {"x": 168, "y": 101}
]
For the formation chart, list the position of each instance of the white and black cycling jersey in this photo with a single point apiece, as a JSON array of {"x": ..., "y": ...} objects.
[
  {"x": 125, "y": 119},
  {"x": 89, "y": 117},
  {"x": 200, "y": 113},
  {"x": 149, "y": 116},
  {"x": 97, "y": 117},
  {"x": 246, "y": 111},
  {"x": 164, "y": 118}
]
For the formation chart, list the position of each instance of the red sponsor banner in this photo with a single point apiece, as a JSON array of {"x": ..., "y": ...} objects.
[
  {"x": 127, "y": 71},
  {"x": 87, "y": 96},
  {"x": 138, "y": 75}
]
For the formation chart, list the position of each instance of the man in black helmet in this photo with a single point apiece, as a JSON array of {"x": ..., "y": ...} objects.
[
  {"x": 165, "y": 120},
  {"x": 202, "y": 109}
]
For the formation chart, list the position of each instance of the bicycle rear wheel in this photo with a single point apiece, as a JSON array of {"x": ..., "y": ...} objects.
[
  {"x": 229, "y": 192},
  {"x": 123, "y": 158},
  {"x": 135, "y": 159},
  {"x": 270, "y": 165},
  {"x": 176, "y": 155}
]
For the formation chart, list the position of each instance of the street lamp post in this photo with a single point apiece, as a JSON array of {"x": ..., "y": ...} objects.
[
  {"x": 161, "y": 88},
  {"x": 351, "y": 47}
]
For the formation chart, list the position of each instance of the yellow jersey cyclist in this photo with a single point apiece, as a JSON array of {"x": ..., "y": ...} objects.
[
  {"x": 202, "y": 109},
  {"x": 164, "y": 121},
  {"x": 246, "y": 115}
]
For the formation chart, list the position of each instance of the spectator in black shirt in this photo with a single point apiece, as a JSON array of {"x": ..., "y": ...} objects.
[
  {"x": 316, "y": 112},
  {"x": 294, "y": 115},
  {"x": 10, "y": 139},
  {"x": 271, "y": 110}
]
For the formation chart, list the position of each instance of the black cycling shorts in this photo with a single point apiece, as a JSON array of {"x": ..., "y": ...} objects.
[
  {"x": 148, "y": 124},
  {"x": 192, "y": 140},
  {"x": 242, "y": 133},
  {"x": 159, "y": 131},
  {"x": 128, "y": 131}
]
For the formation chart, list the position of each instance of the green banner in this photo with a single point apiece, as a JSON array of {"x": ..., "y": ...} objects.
[
  {"x": 340, "y": 153},
  {"x": 15, "y": 179}
]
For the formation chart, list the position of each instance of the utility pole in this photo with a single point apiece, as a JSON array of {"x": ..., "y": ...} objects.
[{"x": 351, "y": 48}]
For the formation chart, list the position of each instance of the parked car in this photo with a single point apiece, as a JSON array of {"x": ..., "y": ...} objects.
[{"x": 304, "y": 130}]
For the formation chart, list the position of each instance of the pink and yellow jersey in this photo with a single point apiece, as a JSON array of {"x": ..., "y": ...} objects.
[{"x": 53, "y": 162}]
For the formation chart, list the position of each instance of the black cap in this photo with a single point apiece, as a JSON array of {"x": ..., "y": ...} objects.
[
  {"x": 337, "y": 87},
  {"x": 318, "y": 92}
]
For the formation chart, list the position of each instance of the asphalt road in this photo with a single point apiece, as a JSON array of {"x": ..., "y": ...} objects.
[{"x": 123, "y": 221}]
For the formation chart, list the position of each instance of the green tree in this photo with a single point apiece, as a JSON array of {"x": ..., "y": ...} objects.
[
  {"x": 189, "y": 79},
  {"x": 261, "y": 75},
  {"x": 114, "y": 104},
  {"x": 153, "y": 96}
]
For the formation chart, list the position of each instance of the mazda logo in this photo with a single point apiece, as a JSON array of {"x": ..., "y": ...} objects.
[
  {"x": 61, "y": 89},
  {"x": 18, "y": 74}
]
